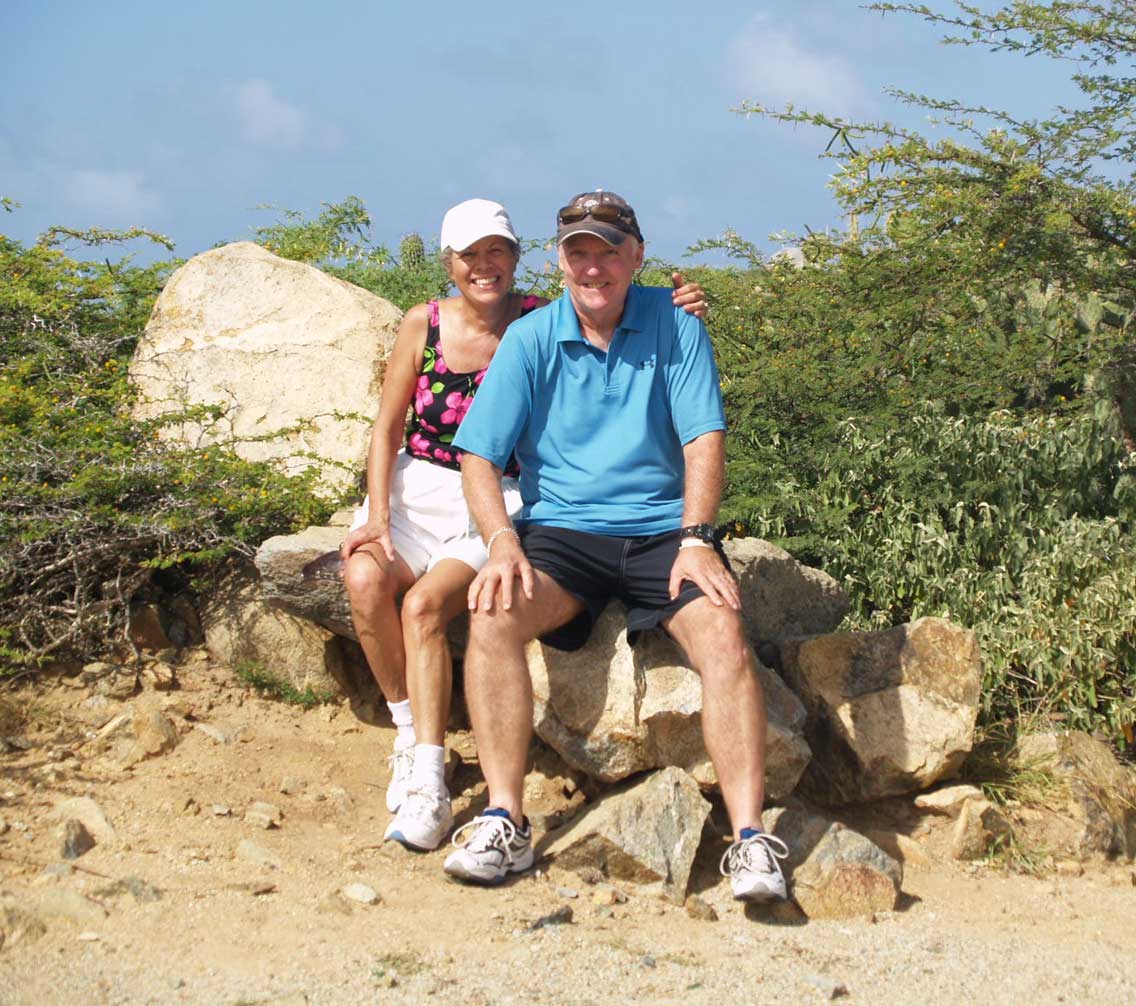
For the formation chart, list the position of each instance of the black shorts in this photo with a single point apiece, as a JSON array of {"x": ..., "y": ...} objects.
[{"x": 597, "y": 567}]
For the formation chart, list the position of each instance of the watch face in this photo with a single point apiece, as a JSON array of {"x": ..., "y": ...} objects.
[{"x": 703, "y": 532}]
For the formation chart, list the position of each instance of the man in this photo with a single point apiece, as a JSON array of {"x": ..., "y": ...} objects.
[{"x": 611, "y": 400}]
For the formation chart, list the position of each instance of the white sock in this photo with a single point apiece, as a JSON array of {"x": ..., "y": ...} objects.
[
  {"x": 429, "y": 767},
  {"x": 404, "y": 722}
]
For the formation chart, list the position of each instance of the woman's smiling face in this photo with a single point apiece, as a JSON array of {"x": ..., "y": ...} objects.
[{"x": 484, "y": 270}]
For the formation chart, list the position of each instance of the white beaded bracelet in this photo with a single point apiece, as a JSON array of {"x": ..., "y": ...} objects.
[
  {"x": 694, "y": 543},
  {"x": 504, "y": 529}
]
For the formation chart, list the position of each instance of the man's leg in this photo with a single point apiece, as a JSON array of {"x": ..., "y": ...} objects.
[
  {"x": 498, "y": 688},
  {"x": 733, "y": 727},
  {"x": 733, "y": 708}
]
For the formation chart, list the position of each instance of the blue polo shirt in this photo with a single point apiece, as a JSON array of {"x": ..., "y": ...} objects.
[{"x": 599, "y": 436}]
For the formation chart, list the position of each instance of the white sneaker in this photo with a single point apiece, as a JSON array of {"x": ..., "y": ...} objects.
[
  {"x": 423, "y": 820},
  {"x": 402, "y": 764},
  {"x": 751, "y": 864},
  {"x": 495, "y": 848}
]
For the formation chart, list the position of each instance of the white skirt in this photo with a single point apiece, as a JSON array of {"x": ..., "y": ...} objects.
[{"x": 429, "y": 519}]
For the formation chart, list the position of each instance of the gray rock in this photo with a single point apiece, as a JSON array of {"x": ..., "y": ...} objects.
[
  {"x": 74, "y": 839},
  {"x": 242, "y": 627},
  {"x": 18, "y": 924},
  {"x": 290, "y": 785},
  {"x": 154, "y": 732},
  {"x": 647, "y": 833},
  {"x": 220, "y": 732},
  {"x": 1094, "y": 803},
  {"x": 781, "y": 597},
  {"x": 612, "y": 711},
  {"x": 561, "y": 916},
  {"x": 340, "y": 799},
  {"x": 235, "y": 325},
  {"x": 976, "y": 830},
  {"x": 947, "y": 800},
  {"x": 250, "y": 852},
  {"x": 86, "y": 810},
  {"x": 361, "y": 893},
  {"x": 136, "y": 887},
  {"x": 62, "y": 903},
  {"x": 320, "y": 598},
  {"x": 263, "y": 815},
  {"x": 834, "y": 872},
  {"x": 888, "y": 712},
  {"x": 699, "y": 908}
]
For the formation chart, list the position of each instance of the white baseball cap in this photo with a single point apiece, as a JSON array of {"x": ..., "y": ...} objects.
[{"x": 473, "y": 220}]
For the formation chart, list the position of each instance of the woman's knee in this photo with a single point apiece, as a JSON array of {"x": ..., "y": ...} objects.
[
  {"x": 424, "y": 611},
  {"x": 365, "y": 580}
]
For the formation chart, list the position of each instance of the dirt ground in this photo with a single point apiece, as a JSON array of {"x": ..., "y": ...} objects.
[{"x": 192, "y": 915}]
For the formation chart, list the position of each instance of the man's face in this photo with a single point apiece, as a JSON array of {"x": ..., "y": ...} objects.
[{"x": 598, "y": 275}]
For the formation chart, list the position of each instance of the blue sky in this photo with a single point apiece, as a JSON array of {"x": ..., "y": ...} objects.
[{"x": 185, "y": 118}]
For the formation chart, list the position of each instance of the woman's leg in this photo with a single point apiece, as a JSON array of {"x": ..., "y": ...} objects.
[
  {"x": 427, "y": 609},
  {"x": 373, "y": 582},
  {"x": 425, "y": 817}
]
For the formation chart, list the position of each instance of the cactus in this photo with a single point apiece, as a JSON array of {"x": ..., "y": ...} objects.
[{"x": 411, "y": 251}]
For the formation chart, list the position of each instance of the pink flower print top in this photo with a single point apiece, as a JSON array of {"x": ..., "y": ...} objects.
[{"x": 442, "y": 398}]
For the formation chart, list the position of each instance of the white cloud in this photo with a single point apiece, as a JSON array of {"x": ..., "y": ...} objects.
[
  {"x": 121, "y": 195},
  {"x": 774, "y": 67},
  {"x": 266, "y": 120}
]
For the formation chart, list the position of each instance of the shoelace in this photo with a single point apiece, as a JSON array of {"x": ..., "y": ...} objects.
[
  {"x": 401, "y": 761},
  {"x": 743, "y": 853},
  {"x": 489, "y": 832}
]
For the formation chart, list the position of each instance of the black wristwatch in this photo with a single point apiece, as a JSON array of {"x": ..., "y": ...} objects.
[{"x": 703, "y": 532}]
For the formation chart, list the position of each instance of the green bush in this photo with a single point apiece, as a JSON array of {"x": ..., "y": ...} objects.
[
  {"x": 1017, "y": 526},
  {"x": 92, "y": 502}
]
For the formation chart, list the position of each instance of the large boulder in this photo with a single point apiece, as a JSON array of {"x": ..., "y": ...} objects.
[
  {"x": 318, "y": 597},
  {"x": 889, "y": 712},
  {"x": 611, "y": 710},
  {"x": 274, "y": 344},
  {"x": 1091, "y": 804},
  {"x": 647, "y": 834},
  {"x": 782, "y": 598},
  {"x": 834, "y": 872},
  {"x": 242, "y": 628}
]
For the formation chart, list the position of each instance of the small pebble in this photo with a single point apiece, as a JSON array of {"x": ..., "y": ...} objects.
[
  {"x": 701, "y": 909},
  {"x": 361, "y": 893},
  {"x": 88, "y": 937},
  {"x": 567, "y": 892}
]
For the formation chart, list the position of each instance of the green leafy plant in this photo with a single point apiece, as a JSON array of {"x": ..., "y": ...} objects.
[
  {"x": 93, "y": 503},
  {"x": 271, "y": 685}
]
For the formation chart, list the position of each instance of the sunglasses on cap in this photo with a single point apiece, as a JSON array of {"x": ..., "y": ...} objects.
[{"x": 604, "y": 213}]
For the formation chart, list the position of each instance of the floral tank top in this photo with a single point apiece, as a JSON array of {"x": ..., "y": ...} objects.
[{"x": 442, "y": 398}]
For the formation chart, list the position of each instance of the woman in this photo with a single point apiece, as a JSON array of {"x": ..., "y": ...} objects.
[{"x": 413, "y": 536}]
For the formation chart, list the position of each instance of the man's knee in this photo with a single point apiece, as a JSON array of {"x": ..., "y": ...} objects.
[
  {"x": 491, "y": 631},
  {"x": 715, "y": 641}
]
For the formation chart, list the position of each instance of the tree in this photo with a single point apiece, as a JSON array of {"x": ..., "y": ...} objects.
[{"x": 990, "y": 272}]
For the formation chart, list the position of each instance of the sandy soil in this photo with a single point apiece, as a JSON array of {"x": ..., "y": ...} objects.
[{"x": 206, "y": 925}]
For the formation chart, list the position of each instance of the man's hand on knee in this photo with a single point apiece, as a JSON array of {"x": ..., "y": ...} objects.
[
  {"x": 704, "y": 568},
  {"x": 505, "y": 566}
]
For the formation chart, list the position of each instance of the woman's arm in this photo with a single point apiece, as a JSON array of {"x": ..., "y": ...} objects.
[{"x": 386, "y": 434}]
